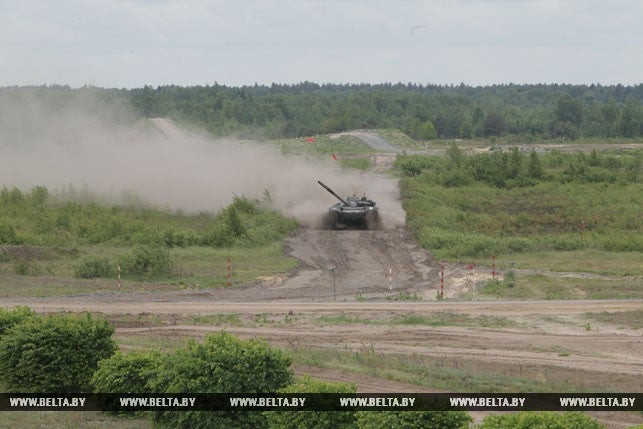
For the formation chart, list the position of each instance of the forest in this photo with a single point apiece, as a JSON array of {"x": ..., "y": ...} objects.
[{"x": 424, "y": 112}]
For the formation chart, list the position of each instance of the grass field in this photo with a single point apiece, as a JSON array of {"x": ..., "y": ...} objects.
[
  {"x": 554, "y": 212},
  {"x": 49, "y": 247},
  {"x": 69, "y": 419},
  {"x": 539, "y": 286},
  {"x": 441, "y": 318},
  {"x": 195, "y": 267},
  {"x": 324, "y": 144},
  {"x": 586, "y": 261},
  {"x": 455, "y": 375},
  {"x": 623, "y": 319}
]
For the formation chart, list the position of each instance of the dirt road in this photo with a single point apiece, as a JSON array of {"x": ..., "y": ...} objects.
[{"x": 202, "y": 303}]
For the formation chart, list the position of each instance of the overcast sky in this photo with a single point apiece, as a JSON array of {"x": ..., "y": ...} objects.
[{"x": 118, "y": 43}]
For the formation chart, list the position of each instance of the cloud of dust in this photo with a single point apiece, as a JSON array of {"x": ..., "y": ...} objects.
[{"x": 96, "y": 148}]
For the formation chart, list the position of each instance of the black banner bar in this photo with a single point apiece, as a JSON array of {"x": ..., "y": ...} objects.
[{"x": 324, "y": 402}]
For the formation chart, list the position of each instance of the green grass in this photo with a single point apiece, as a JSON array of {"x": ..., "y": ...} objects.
[
  {"x": 538, "y": 286},
  {"x": 356, "y": 163},
  {"x": 400, "y": 140},
  {"x": 440, "y": 318},
  {"x": 214, "y": 319},
  {"x": 480, "y": 220},
  {"x": 627, "y": 319},
  {"x": 44, "y": 241},
  {"x": 455, "y": 375},
  {"x": 69, "y": 419},
  {"x": 207, "y": 267},
  {"x": 446, "y": 318},
  {"x": 463, "y": 207},
  {"x": 586, "y": 261},
  {"x": 37, "y": 218},
  {"x": 324, "y": 144},
  {"x": 163, "y": 342},
  {"x": 518, "y": 139},
  {"x": 343, "y": 318},
  {"x": 195, "y": 267}
]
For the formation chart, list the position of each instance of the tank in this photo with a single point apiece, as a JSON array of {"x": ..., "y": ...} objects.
[{"x": 354, "y": 211}]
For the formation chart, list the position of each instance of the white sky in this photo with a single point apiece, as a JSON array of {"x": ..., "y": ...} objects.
[{"x": 119, "y": 43}]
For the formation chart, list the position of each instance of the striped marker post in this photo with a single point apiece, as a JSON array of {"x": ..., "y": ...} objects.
[
  {"x": 119, "y": 276},
  {"x": 390, "y": 279},
  {"x": 493, "y": 267},
  {"x": 228, "y": 275}
]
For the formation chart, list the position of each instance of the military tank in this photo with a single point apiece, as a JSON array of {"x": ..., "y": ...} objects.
[{"x": 354, "y": 211}]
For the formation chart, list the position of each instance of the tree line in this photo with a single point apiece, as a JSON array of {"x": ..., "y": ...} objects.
[{"x": 540, "y": 111}]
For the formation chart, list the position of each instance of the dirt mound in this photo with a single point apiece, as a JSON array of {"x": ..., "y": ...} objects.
[{"x": 364, "y": 262}]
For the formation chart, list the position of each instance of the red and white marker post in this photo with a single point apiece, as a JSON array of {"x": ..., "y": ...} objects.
[{"x": 228, "y": 275}]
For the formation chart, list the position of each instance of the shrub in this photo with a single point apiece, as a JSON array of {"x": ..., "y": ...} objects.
[
  {"x": 131, "y": 372},
  {"x": 223, "y": 363},
  {"x": 57, "y": 353},
  {"x": 7, "y": 233},
  {"x": 94, "y": 266},
  {"x": 173, "y": 237},
  {"x": 412, "y": 419},
  {"x": 9, "y": 318},
  {"x": 233, "y": 221},
  {"x": 313, "y": 419},
  {"x": 528, "y": 419},
  {"x": 148, "y": 260},
  {"x": 247, "y": 223}
]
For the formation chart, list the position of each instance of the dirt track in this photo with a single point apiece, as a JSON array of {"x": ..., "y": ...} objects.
[{"x": 199, "y": 303}]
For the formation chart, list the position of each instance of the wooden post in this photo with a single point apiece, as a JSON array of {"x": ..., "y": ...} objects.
[{"x": 441, "y": 280}]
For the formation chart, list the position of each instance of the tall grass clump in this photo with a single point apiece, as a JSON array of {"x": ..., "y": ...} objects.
[
  {"x": 91, "y": 267},
  {"x": 147, "y": 261},
  {"x": 247, "y": 223}
]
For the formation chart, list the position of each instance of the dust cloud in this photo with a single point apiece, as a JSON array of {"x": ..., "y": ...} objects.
[{"x": 106, "y": 150}]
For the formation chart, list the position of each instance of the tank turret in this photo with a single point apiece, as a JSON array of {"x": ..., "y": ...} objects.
[{"x": 353, "y": 211}]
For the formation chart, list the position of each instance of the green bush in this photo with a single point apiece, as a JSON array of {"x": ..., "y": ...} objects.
[
  {"x": 57, "y": 353},
  {"x": 91, "y": 267},
  {"x": 247, "y": 223},
  {"x": 549, "y": 420},
  {"x": 9, "y": 318},
  {"x": 412, "y": 419},
  {"x": 7, "y": 233},
  {"x": 223, "y": 363},
  {"x": 148, "y": 260},
  {"x": 131, "y": 372},
  {"x": 313, "y": 419}
]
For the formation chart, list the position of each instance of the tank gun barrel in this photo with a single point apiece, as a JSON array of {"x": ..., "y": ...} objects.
[{"x": 332, "y": 192}]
